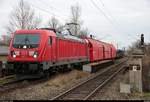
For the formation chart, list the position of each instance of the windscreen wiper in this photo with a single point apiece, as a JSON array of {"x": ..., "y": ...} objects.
[{"x": 27, "y": 40}]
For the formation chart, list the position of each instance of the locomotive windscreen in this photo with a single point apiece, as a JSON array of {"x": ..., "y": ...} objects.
[{"x": 30, "y": 40}]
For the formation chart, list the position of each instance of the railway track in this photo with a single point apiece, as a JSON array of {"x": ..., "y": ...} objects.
[
  {"x": 7, "y": 79},
  {"x": 8, "y": 83},
  {"x": 11, "y": 83},
  {"x": 88, "y": 88}
]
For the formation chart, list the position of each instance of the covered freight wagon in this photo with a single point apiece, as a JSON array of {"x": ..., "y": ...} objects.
[{"x": 99, "y": 50}]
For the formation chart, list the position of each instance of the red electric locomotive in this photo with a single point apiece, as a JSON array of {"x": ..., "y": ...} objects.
[{"x": 41, "y": 51}]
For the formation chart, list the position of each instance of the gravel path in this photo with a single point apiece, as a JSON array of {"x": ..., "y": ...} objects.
[{"x": 48, "y": 89}]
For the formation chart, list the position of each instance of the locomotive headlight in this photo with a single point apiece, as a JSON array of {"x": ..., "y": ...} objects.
[
  {"x": 35, "y": 55},
  {"x": 24, "y": 46},
  {"x": 14, "y": 56}
]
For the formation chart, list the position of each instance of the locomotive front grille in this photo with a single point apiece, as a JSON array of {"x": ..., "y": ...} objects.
[
  {"x": 33, "y": 66},
  {"x": 24, "y": 67}
]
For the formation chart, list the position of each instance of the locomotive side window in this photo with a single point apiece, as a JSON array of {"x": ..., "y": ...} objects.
[{"x": 50, "y": 40}]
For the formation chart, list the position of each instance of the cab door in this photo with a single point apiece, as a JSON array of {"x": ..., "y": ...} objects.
[
  {"x": 49, "y": 48},
  {"x": 52, "y": 48}
]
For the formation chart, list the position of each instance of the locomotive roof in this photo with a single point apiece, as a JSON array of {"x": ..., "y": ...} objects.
[
  {"x": 34, "y": 31},
  {"x": 57, "y": 34},
  {"x": 70, "y": 37},
  {"x": 91, "y": 40}
]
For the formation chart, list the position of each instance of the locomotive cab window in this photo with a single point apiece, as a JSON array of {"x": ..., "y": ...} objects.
[
  {"x": 50, "y": 40},
  {"x": 30, "y": 40}
]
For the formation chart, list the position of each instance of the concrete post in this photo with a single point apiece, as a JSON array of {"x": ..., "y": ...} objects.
[{"x": 135, "y": 70}]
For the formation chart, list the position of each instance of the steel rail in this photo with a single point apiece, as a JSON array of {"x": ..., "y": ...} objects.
[
  {"x": 7, "y": 79},
  {"x": 84, "y": 82},
  {"x": 101, "y": 85}
]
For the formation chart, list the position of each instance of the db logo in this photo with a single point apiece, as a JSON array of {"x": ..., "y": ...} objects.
[{"x": 134, "y": 68}]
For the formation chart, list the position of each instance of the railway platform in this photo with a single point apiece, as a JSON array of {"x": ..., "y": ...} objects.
[{"x": 95, "y": 66}]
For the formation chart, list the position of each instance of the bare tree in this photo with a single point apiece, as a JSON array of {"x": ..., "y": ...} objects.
[
  {"x": 54, "y": 23},
  {"x": 76, "y": 18},
  {"x": 35, "y": 23},
  {"x": 84, "y": 32},
  {"x": 22, "y": 17},
  {"x": 134, "y": 45}
]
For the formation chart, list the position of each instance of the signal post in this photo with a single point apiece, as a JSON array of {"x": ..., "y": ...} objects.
[
  {"x": 135, "y": 70},
  {"x": 139, "y": 69}
]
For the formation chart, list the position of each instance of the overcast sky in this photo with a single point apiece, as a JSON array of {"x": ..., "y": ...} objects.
[{"x": 114, "y": 21}]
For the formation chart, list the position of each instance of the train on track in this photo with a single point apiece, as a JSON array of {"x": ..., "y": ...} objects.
[
  {"x": 42, "y": 51},
  {"x": 120, "y": 53}
]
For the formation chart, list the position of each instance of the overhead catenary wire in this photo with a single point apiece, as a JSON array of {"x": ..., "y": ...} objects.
[
  {"x": 131, "y": 37},
  {"x": 108, "y": 11},
  {"x": 112, "y": 16},
  {"x": 108, "y": 19},
  {"x": 92, "y": 32},
  {"x": 52, "y": 8},
  {"x": 99, "y": 9},
  {"x": 102, "y": 2},
  {"x": 46, "y": 11},
  {"x": 112, "y": 21}
]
